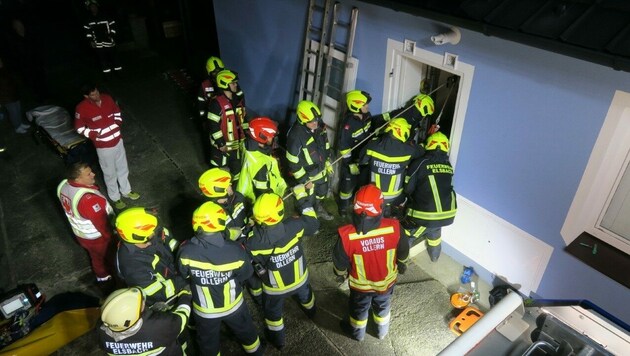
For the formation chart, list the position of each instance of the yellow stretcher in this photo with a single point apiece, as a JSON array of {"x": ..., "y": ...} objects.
[{"x": 55, "y": 333}]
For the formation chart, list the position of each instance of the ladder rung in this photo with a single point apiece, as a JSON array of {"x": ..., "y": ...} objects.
[
  {"x": 341, "y": 47},
  {"x": 312, "y": 51},
  {"x": 318, "y": 8},
  {"x": 315, "y": 29},
  {"x": 309, "y": 72}
]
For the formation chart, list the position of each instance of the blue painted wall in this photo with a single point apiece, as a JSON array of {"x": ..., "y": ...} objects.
[{"x": 533, "y": 116}]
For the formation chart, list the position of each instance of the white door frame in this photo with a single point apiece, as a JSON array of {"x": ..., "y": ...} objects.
[{"x": 391, "y": 97}]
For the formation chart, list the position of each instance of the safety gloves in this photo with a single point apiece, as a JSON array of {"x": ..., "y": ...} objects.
[{"x": 354, "y": 169}]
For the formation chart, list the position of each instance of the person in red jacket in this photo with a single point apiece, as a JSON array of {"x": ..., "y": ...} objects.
[
  {"x": 98, "y": 118},
  {"x": 370, "y": 253},
  {"x": 89, "y": 212}
]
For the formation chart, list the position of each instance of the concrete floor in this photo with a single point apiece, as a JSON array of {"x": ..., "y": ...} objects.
[{"x": 164, "y": 149}]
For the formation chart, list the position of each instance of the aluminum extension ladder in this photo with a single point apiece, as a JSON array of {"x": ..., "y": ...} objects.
[{"x": 322, "y": 28}]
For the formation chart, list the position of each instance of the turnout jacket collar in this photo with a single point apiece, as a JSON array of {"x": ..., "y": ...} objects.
[{"x": 209, "y": 238}]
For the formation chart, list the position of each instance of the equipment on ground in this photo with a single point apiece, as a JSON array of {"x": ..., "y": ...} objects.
[
  {"x": 32, "y": 325},
  {"x": 54, "y": 125}
]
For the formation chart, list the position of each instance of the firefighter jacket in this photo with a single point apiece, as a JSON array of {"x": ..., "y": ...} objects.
[
  {"x": 100, "y": 31},
  {"x": 217, "y": 269},
  {"x": 236, "y": 210},
  {"x": 260, "y": 172},
  {"x": 227, "y": 122},
  {"x": 387, "y": 159},
  {"x": 155, "y": 333},
  {"x": 353, "y": 132},
  {"x": 86, "y": 208},
  {"x": 101, "y": 124},
  {"x": 152, "y": 268},
  {"x": 307, "y": 152},
  {"x": 371, "y": 259},
  {"x": 433, "y": 202},
  {"x": 279, "y": 250}
]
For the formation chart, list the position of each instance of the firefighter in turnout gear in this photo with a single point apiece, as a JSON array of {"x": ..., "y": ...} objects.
[
  {"x": 216, "y": 184},
  {"x": 129, "y": 328},
  {"x": 418, "y": 117},
  {"x": 279, "y": 260},
  {"x": 145, "y": 255},
  {"x": 217, "y": 269},
  {"x": 208, "y": 90},
  {"x": 260, "y": 172},
  {"x": 370, "y": 253},
  {"x": 100, "y": 30},
  {"x": 387, "y": 158},
  {"x": 357, "y": 125},
  {"x": 226, "y": 115},
  {"x": 308, "y": 153},
  {"x": 432, "y": 199}
]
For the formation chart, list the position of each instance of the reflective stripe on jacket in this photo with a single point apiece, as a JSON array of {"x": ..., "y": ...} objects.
[
  {"x": 433, "y": 200},
  {"x": 227, "y": 126},
  {"x": 216, "y": 269},
  {"x": 307, "y": 152},
  {"x": 69, "y": 196},
  {"x": 372, "y": 256}
]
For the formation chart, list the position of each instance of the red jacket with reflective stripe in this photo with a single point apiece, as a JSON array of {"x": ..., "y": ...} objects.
[
  {"x": 372, "y": 256},
  {"x": 101, "y": 124}
]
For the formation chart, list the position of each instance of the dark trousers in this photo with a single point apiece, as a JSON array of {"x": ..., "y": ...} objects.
[
  {"x": 273, "y": 306},
  {"x": 232, "y": 160},
  {"x": 349, "y": 184},
  {"x": 108, "y": 58},
  {"x": 240, "y": 323},
  {"x": 359, "y": 305}
]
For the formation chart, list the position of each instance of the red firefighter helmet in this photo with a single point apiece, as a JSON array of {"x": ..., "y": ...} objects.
[
  {"x": 263, "y": 129},
  {"x": 368, "y": 200}
]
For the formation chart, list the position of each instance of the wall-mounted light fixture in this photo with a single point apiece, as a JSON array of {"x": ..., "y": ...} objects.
[{"x": 453, "y": 37}]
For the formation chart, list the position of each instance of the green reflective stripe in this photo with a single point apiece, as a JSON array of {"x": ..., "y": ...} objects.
[
  {"x": 391, "y": 261},
  {"x": 260, "y": 184},
  {"x": 386, "y": 116},
  {"x": 426, "y": 215},
  {"x": 357, "y": 324},
  {"x": 255, "y": 292},
  {"x": 279, "y": 250},
  {"x": 228, "y": 309},
  {"x": 419, "y": 231},
  {"x": 318, "y": 176},
  {"x": 299, "y": 173},
  {"x": 170, "y": 288},
  {"x": 436, "y": 193},
  {"x": 273, "y": 278},
  {"x": 435, "y": 242},
  {"x": 310, "y": 140},
  {"x": 153, "y": 288},
  {"x": 381, "y": 320},
  {"x": 291, "y": 158},
  {"x": 346, "y": 153},
  {"x": 309, "y": 212},
  {"x": 210, "y": 266},
  {"x": 307, "y": 156},
  {"x": 375, "y": 232},
  {"x": 183, "y": 311},
  {"x": 311, "y": 303},
  {"x": 214, "y": 117},
  {"x": 156, "y": 260},
  {"x": 388, "y": 159},
  {"x": 345, "y": 196},
  {"x": 359, "y": 267},
  {"x": 274, "y": 325},
  {"x": 217, "y": 135},
  {"x": 250, "y": 349},
  {"x": 365, "y": 285}
]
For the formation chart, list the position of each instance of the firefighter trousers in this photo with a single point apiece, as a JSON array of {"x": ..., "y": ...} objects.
[
  {"x": 240, "y": 324},
  {"x": 359, "y": 305},
  {"x": 273, "y": 305}
]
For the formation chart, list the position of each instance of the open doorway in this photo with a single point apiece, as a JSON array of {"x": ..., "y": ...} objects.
[{"x": 408, "y": 74}]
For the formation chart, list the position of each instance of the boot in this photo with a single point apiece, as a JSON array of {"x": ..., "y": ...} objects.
[
  {"x": 321, "y": 211},
  {"x": 434, "y": 252}
]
